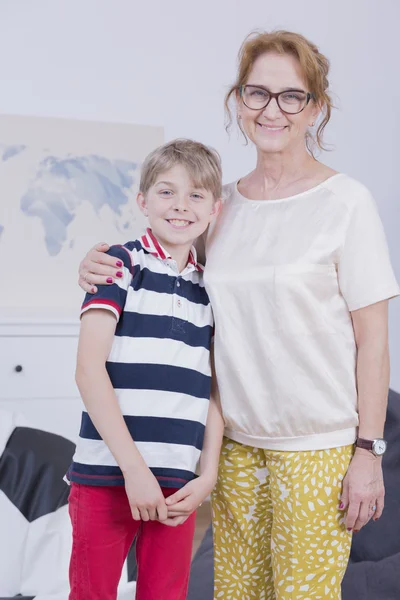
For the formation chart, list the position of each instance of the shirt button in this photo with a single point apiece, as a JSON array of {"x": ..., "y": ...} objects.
[
  {"x": 178, "y": 284},
  {"x": 179, "y": 303}
]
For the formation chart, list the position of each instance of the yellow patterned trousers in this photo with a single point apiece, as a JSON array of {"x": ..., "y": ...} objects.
[{"x": 278, "y": 530}]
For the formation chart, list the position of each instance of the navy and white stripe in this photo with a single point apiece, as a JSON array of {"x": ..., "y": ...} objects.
[{"x": 159, "y": 365}]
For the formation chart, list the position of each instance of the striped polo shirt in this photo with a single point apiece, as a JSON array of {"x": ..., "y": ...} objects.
[{"x": 159, "y": 365}]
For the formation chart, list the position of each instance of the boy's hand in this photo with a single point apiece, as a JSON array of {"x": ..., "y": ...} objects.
[
  {"x": 145, "y": 497},
  {"x": 175, "y": 521},
  {"x": 187, "y": 499}
]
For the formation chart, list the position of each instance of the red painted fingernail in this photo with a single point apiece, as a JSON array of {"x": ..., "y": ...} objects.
[
  {"x": 349, "y": 529},
  {"x": 341, "y": 505},
  {"x": 119, "y": 263},
  {"x": 93, "y": 290},
  {"x": 376, "y": 519},
  {"x": 356, "y": 530},
  {"x": 119, "y": 273},
  {"x": 109, "y": 280}
]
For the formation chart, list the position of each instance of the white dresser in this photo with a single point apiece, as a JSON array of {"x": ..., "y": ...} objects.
[{"x": 37, "y": 370}]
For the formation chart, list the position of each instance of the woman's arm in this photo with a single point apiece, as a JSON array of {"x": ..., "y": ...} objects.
[
  {"x": 363, "y": 485},
  {"x": 373, "y": 368},
  {"x": 98, "y": 268},
  {"x": 95, "y": 341}
]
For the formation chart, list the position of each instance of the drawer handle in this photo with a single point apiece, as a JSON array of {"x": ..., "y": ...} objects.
[{"x": 18, "y": 368}]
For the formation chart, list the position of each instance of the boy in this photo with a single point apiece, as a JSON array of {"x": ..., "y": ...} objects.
[{"x": 144, "y": 374}]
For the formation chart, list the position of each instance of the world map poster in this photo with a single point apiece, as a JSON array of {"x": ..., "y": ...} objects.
[{"x": 64, "y": 185}]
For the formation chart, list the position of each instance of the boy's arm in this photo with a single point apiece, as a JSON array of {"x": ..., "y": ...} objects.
[
  {"x": 209, "y": 458},
  {"x": 187, "y": 499},
  {"x": 95, "y": 341}
]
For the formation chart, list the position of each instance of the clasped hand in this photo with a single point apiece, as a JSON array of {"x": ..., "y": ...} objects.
[{"x": 147, "y": 501}]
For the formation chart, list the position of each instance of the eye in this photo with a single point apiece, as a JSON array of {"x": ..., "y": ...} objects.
[
  {"x": 196, "y": 196},
  {"x": 259, "y": 94},
  {"x": 293, "y": 96},
  {"x": 166, "y": 193}
]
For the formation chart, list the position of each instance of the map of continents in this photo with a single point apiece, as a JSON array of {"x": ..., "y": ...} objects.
[{"x": 62, "y": 185}]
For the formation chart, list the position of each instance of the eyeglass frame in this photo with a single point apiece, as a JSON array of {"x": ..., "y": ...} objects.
[{"x": 275, "y": 95}]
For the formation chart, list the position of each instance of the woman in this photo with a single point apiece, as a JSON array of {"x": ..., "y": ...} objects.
[{"x": 299, "y": 278}]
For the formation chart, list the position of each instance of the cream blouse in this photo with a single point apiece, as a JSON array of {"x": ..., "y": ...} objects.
[{"x": 283, "y": 277}]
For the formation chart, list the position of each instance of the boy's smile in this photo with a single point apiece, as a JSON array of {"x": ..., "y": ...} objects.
[{"x": 179, "y": 223}]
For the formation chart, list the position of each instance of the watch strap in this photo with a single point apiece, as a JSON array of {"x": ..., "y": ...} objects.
[{"x": 365, "y": 444}]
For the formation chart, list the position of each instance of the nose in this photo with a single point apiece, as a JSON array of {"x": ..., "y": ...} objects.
[
  {"x": 272, "y": 111},
  {"x": 180, "y": 202}
]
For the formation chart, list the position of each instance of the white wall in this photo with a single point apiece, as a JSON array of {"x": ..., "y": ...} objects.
[{"x": 169, "y": 63}]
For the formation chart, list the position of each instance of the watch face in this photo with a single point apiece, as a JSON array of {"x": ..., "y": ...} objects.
[{"x": 379, "y": 447}]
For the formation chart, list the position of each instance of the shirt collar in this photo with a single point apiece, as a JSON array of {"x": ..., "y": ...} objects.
[{"x": 153, "y": 246}]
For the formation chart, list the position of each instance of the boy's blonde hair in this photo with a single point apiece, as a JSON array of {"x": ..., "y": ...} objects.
[{"x": 202, "y": 163}]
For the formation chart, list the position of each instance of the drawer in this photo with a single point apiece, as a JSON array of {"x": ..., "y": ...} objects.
[{"x": 38, "y": 367}]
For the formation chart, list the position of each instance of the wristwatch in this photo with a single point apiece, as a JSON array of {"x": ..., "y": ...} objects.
[{"x": 377, "y": 446}]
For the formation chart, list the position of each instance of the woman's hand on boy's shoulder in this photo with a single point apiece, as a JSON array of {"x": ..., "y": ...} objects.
[
  {"x": 97, "y": 268},
  {"x": 186, "y": 500}
]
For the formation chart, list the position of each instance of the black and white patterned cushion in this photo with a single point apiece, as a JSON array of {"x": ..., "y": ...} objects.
[{"x": 35, "y": 540}]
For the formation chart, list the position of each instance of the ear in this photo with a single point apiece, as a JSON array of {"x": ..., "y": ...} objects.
[
  {"x": 142, "y": 204},
  {"x": 315, "y": 112},
  {"x": 239, "y": 105},
  {"x": 216, "y": 209}
]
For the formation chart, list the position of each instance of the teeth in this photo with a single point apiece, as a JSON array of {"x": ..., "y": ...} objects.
[
  {"x": 271, "y": 128},
  {"x": 178, "y": 223}
]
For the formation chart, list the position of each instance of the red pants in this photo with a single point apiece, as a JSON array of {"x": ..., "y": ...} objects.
[{"x": 103, "y": 532}]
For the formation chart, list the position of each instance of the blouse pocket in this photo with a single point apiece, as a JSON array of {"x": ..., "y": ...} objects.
[{"x": 307, "y": 298}]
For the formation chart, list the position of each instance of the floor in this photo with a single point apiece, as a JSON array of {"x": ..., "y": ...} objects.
[{"x": 203, "y": 520}]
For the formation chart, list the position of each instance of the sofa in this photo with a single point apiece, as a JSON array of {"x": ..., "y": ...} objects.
[{"x": 35, "y": 539}]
